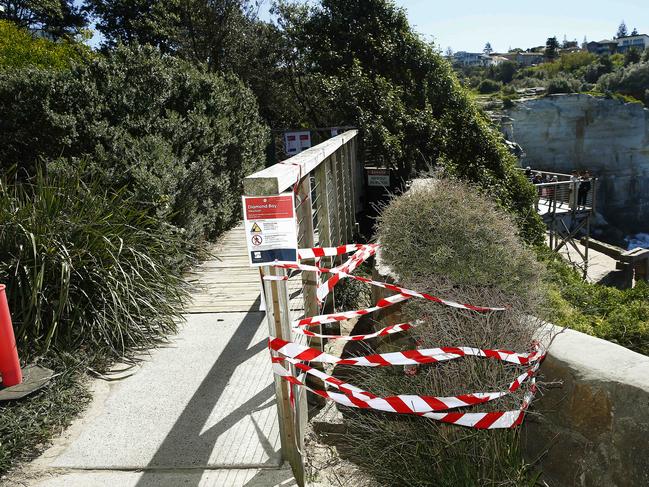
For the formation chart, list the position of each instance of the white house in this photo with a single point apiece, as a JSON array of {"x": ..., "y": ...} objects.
[
  {"x": 472, "y": 58},
  {"x": 640, "y": 42}
]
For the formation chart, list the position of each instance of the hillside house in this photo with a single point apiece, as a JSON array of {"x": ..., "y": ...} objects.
[
  {"x": 640, "y": 42},
  {"x": 472, "y": 59}
]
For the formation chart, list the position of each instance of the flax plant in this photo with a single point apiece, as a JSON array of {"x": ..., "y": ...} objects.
[{"x": 87, "y": 269}]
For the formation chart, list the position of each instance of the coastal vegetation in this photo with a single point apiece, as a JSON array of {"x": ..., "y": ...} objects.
[
  {"x": 119, "y": 164},
  {"x": 621, "y": 76}
]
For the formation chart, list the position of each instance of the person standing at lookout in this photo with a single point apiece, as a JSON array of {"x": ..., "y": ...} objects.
[
  {"x": 584, "y": 188},
  {"x": 574, "y": 188},
  {"x": 538, "y": 179}
]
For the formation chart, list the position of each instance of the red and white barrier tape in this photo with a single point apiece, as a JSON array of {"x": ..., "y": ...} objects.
[
  {"x": 344, "y": 271},
  {"x": 385, "y": 285},
  {"x": 388, "y": 330},
  {"x": 407, "y": 357},
  {"x": 346, "y": 315},
  {"x": 427, "y": 406},
  {"x": 316, "y": 252}
]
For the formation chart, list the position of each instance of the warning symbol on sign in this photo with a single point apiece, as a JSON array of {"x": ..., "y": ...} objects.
[
  {"x": 257, "y": 240},
  {"x": 255, "y": 228}
]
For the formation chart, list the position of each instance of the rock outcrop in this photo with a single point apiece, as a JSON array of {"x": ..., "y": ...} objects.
[{"x": 608, "y": 137}]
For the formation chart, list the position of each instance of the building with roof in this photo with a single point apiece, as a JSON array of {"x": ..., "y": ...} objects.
[
  {"x": 605, "y": 46},
  {"x": 472, "y": 58},
  {"x": 639, "y": 42}
]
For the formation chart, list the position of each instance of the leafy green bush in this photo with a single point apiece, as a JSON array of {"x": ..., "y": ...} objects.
[
  {"x": 632, "y": 80},
  {"x": 178, "y": 138},
  {"x": 563, "y": 85},
  {"x": 448, "y": 239},
  {"x": 18, "y": 48},
  {"x": 489, "y": 86},
  {"x": 448, "y": 228},
  {"x": 85, "y": 269},
  {"x": 620, "y": 316}
]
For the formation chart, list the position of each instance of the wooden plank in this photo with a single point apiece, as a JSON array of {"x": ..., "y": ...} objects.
[{"x": 280, "y": 177}]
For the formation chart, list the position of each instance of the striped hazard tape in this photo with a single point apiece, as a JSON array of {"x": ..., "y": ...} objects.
[
  {"x": 433, "y": 407},
  {"x": 388, "y": 330},
  {"x": 408, "y": 357},
  {"x": 427, "y": 406}
]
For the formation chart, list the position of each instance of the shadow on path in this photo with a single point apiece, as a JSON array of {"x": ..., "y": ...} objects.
[{"x": 174, "y": 451}]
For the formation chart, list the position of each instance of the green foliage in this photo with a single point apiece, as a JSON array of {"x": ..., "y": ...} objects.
[
  {"x": 632, "y": 56},
  {"x": 551, "y": 48},
  {"x": 450, "y": 229},
  {"x": 563, "y": 85},
  {"x": 632, "y": 80},
  {"x": 383, "y": 78},
  {"x": 489, "y": 86},
  {"x": 86, "y": 270},
  {"x": 449, "y": 238},
  {"x": 178, "y": 138},
  {"x": 18, "y": 49},
  {"x": 52, "y": 18},
  {"x": 620, "y": 316}
]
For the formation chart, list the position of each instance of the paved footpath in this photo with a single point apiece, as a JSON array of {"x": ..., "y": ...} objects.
[{"x": 198, "y": 412}]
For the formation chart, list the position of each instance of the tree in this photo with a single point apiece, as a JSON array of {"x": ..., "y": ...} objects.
[
  {"x": 18, "y": 48},
  {"x": 219, "y": 33},
  {"x": 383, "y": 78},
  {"x": 632, "y": 56},
  {"x": 506, "y": 71},
  {"x": 488, "y": 49},
  {"x": 621, "y": 30},
  {"x": 564, "y": 44},
  {"x": 551, "y": 48},
  {"x": 584, "y": 44},
  {"x": 54, "y": 18},
  {"x": 449, "y": 52},
  {"x": 634, "y": 32}
]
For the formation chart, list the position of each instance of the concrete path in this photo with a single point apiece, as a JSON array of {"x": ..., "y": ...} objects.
[{"x": 198, "y": 412}]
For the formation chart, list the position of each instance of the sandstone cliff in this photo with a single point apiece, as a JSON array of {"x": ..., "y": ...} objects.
[{"x": 610, "y": 138}]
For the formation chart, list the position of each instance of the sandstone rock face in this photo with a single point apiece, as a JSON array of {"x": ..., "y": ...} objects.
[
  {"x": 593, "y": 429},
  {"x": 560, "y": 133}
]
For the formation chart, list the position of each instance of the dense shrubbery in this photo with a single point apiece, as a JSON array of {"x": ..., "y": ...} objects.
[
  {"x": 450, "y": 240},
  {"x": 489, "y": 86},
  {"x": 178, "y": 138},
  {"x": 573, "y": 72},
  {"x": 632, "y": 80},
  {"x": 85, "y": 268},
  {"x": 563, "y": 85},
  {"x": 620, "y": 316},
  {"x": 18, "y": 48},
  {"x": 382, "y": 77}
]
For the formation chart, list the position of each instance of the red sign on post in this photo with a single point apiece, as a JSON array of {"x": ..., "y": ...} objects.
[{"x": 271, "y": 228}]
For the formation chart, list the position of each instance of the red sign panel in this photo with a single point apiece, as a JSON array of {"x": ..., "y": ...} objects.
[{"x": 269, "y": 207}]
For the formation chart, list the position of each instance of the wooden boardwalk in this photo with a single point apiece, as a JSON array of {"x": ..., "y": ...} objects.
[{"x": 225, "y": 283}]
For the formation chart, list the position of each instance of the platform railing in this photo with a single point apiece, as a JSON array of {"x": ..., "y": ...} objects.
[{"x": 328, "y": 182}]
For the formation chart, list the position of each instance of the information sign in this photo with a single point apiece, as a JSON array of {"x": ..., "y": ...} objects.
[
  {"x": 296, "y": 142},
  {"x": 271, "y": 228},
  {"x": 378, "y": 177}
]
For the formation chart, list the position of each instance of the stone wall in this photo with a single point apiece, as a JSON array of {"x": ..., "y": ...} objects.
[
  {"x": 564, "y": 132},
  {"x": 593, "y": 430}
]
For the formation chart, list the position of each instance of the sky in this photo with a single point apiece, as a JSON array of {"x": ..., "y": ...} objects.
[{"x": 468, "y": 25}]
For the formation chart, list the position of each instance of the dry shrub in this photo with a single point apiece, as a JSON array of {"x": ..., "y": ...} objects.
[{"x": 447, "y": 239}]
